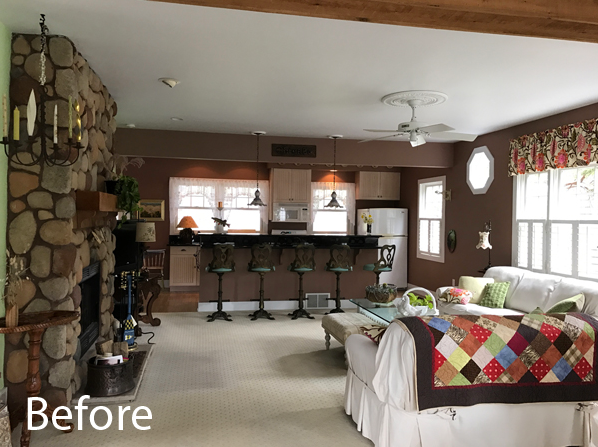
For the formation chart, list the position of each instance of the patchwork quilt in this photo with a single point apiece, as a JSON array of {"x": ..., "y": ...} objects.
[{"x": 464, "y": 360}]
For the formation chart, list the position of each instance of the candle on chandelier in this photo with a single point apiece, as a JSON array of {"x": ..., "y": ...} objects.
[
  {"x": 70, "y": 117},
  {"x": 16, "y": 120},
  {"x": 78, "y": 120},
  {"x": 55, "y": 124},
  {"x": 31, "y": 114},
  {"x": 5, "y": 117},
  {"x": 219, "y": 204}
]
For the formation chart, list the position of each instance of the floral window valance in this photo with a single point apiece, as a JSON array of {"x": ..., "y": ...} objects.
[{"x": 564, "y": 147}]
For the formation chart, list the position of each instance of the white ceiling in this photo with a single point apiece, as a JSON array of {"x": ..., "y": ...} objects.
[{"x": 305, "y": 77}]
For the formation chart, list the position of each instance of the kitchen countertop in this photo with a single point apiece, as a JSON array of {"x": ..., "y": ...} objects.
[{"x": 207, "y": 240}]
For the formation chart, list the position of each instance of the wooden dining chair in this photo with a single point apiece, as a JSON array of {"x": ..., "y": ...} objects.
[{"x": 153, "y": 262}]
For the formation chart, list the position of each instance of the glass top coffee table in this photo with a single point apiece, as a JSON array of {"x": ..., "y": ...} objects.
[{"x": 382, "y": 314}]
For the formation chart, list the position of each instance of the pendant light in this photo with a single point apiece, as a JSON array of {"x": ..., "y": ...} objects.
[
  {"x": 256, "y": 200},
  {"x": 333, "y": 202}
]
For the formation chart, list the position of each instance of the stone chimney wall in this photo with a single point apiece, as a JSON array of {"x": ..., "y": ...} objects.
[{"x": 54, "y": 241}]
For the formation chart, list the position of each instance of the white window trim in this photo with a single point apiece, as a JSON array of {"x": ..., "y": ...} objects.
[
  {"x": 546, "y": 268},
  {"x": 426, "y": 256}
]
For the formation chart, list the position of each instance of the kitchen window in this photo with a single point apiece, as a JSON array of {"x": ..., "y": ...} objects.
[
  {"x": 430, "y": 219},
  {"x": 556, "y": 222},
  {"x": 199, "y": 199},
  {"x": 333, "y": 220}
]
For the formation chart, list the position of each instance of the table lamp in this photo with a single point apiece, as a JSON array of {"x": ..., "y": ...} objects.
[
  {"x": 145, "y": 232},
  {"x": 484, "y": 243},
  {"x": 186, "y": 234}
]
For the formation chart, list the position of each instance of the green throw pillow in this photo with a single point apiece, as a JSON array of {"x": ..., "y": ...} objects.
[
  {"x": 495, "y": 294},
  {"x": 573, "y": 304}
]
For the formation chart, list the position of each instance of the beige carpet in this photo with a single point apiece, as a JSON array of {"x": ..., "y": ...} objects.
[{"x": 232, "y": 384}]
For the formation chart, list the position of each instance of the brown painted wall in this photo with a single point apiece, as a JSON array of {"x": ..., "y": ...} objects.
[
  {"x": 466, "y": 213},
  {"x": 232, "y": 147}
]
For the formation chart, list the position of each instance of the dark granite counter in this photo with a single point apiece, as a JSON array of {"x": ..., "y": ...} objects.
[{"x": 207, "y": 240}]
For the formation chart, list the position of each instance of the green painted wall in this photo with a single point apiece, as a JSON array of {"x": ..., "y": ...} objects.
[{"x": 5, "y": 42}]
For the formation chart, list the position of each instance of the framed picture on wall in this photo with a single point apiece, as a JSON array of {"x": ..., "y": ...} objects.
[{"x": 151, "y": 210}]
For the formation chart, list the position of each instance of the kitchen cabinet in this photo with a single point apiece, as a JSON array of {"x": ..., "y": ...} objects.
[
  {"x": 290, "y": 185},
  {"x": 378, "y": 185},
  {"x": 183, "y": 271}
]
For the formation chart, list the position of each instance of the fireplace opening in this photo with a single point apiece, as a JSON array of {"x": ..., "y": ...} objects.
[{"x": 90, "y": 306}]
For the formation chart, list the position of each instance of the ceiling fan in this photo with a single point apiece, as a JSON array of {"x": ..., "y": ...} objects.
[{"x": 414, "y": 130}]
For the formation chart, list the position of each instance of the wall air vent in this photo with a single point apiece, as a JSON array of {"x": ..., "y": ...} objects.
[{"x": 317, "y": 300}]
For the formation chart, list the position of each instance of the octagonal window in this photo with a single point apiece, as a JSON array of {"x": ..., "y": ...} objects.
[{"x": 480, "y": 170}]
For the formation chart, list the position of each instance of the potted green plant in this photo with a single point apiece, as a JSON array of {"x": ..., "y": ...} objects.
[
  {"x": 121, "y": 163},
  {"x": 127, "y": 193}
]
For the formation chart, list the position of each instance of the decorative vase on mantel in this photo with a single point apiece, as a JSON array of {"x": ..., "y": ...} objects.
[
  {"x": 12, "y": 315},
  {"x": 369, "y": 229}
]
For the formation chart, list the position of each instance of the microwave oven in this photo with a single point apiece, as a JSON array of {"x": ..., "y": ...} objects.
[{"x": 290, "y": 212}]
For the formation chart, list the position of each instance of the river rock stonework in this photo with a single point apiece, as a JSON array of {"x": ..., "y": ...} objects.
[{"x": 45, "y": 230}]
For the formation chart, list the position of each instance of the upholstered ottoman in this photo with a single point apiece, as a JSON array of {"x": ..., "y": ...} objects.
[{"x": 341, "y": 325}]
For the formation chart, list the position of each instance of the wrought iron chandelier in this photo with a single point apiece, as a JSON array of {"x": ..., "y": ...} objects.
[
  {"x": 333, "y": 202},
  {"x": 257, "y": 201},
  {"x": 56, "y": 155}
]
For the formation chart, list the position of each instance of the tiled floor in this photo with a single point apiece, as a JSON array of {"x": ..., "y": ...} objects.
[{"x": 232, "y": 384}]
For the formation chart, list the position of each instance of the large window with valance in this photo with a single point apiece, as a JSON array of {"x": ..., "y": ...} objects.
[{"x": 556, "y": 222}]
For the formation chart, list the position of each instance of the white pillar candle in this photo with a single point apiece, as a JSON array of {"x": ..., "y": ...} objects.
[
  {"x": 16, "y": 122},
  {"x": 55, "y": 124},
  {"x": 70, "y": 116}
]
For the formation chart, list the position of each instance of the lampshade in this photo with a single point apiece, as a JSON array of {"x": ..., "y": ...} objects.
[
  {"x": 187, "y": 222},
  {"x": 145, "y": 232},
  {"x": 484, "y": 242}
]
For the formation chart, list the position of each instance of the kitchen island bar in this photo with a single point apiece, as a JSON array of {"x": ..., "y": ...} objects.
[{"x": 207, "y": 240}]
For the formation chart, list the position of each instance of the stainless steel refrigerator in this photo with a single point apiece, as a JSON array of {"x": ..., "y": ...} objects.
[{"x": 391, "y": 224}]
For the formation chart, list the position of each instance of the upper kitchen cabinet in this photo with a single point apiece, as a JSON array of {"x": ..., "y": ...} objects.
[
  {"x": 291, "y": 185},
  {"x": 378, "y": 185}
]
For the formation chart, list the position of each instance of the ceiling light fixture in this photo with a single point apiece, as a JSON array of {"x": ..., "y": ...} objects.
[
  {"x": 131, "y": 126},
  {"x": 256, "y": 200},
  {"x": 170, "y": 82},
  {"x": 176, "y": 118},
  {"x": 333, "y": 202}
]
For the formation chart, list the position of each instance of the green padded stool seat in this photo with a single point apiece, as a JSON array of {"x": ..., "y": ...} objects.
[
  {"x": 384, "y": 264},
  {"x": 338, "y": 264},
  {"x": 223, "y": 262},
  {"x": 305, "y": 261},
  {"x": 261, "y": 263}
]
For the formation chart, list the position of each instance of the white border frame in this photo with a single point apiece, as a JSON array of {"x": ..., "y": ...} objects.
[
  {"x": 490, "y": 179},
  {"x": 440, "y": 257}
]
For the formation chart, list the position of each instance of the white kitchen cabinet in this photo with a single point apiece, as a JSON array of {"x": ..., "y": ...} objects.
[
  {"x": 290, "y": 185},
  {"x": 183, "y": 271},
  {"x": 371, "y": 185}
]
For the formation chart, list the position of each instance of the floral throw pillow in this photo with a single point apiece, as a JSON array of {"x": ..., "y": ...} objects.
[
  {"x": 373, "y": 332},
  {"x": 456, "y": 296}
]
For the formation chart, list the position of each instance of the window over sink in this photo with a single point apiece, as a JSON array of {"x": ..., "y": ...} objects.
[
  {"x": 333, "y": 220},
  {"x": 199, "y": 199}
]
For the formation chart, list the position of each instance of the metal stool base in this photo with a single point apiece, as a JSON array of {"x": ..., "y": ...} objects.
[
  {"x": 337, "y": 310},
  {"x": 261, "y": 313},
  {"x": 298, "y": 313},
  {"x": 219, "y": 314}
]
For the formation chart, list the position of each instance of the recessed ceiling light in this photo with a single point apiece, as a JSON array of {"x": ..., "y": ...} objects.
[
  {"x": 334, "y": 170},
  {"x": 130, "y": 125},
  {"x": 170, "y": 82},
  {"x": 176, "y": 118}
]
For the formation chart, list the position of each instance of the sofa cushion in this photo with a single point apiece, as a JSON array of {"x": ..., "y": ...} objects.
[
  {"x": 495, "y": 294},
  {"x": 474, "y": 309},
  {"x": 475, "y": 286},
  {"x": 457, "y": 296},
  {"x": 573, "y": 304},
  {"x": 569, "y": 287},
  {"x": 533, "y": 290},
  {"x": 504, "y": 274}
]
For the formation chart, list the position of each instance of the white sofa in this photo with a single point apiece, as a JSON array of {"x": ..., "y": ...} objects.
[
  {"x": 380, "y": 387},
  {"x": 527, "y": 291}
]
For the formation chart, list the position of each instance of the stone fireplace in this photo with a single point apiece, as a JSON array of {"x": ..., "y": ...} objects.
[{"x": 57, "y": 224}]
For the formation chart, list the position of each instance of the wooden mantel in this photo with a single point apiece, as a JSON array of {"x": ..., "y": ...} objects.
[
  {"x": 555, "y": 19},
  {"x": 94, "y": 209}
]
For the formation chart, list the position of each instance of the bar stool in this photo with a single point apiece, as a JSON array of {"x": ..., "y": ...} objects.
[
  {"x": 222, "y": 263},
  {"x": 384, "y": 264},
  {"x": 305, "y": 261},
  {"x": 339, "y": 263},
  {"x": 262, "y": 264}
]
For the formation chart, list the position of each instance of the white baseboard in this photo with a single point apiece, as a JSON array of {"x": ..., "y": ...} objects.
[{"x": 232, "y": 306}]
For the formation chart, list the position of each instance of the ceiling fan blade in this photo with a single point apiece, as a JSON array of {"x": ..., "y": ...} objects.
[
  {"x": 380, "y": 138},
  {"x": 380, "y": 130},
  {"x": 455, "y": 136},
  {"x": 436, "y": 128}
]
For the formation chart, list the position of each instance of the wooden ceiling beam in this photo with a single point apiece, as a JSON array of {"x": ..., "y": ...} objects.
[{"x": 555, "y": 19}]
